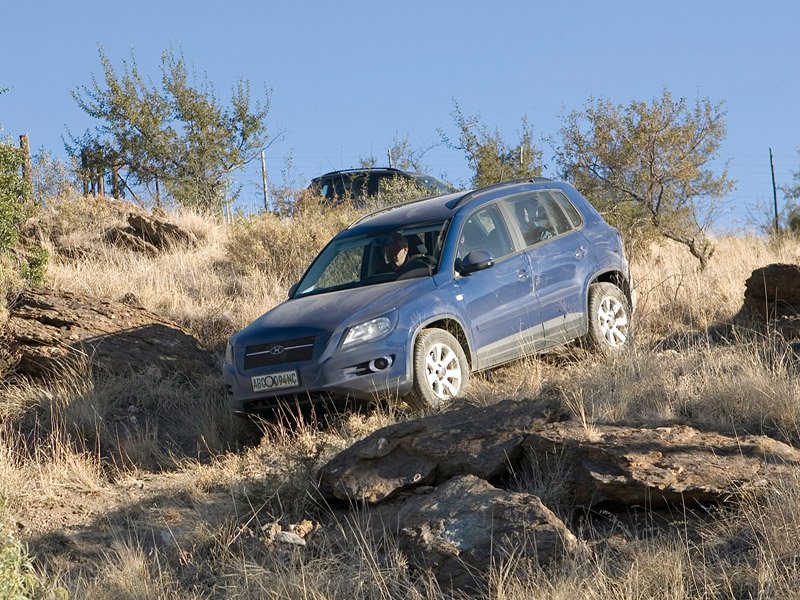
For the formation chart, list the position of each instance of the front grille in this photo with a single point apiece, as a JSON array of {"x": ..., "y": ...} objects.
[{"x": 277, "y": 353}]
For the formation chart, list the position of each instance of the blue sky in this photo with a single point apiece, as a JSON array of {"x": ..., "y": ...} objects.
[{"x": 347, "y": 77}]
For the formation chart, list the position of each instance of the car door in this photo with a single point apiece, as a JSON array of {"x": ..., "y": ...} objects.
[
  {"x": 555, "y": 249},
  {"x": 499, "y": 300}
]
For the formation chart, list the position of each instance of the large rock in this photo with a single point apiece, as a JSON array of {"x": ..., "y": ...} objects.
[
  {"x": 480, "y": 441},
  {"x": 148, "y": 234},
  {"x": 159, "y": 232},
  {"x": 50, "y": 330},
  {"x": 772, "y": 294},
  {"x": 466, "y": 525},
  {"x": 655, "y": 467}
]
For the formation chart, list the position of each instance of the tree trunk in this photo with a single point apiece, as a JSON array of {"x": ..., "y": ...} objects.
[
  {"x": 115, "y": 182},
  {"x": 85, "y": 172}
]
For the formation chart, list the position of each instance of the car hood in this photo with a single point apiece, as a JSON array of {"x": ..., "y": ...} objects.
[{"x": 325, "y": 313}]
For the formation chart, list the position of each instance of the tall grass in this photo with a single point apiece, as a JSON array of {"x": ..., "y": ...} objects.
[{"x": 161, "y": 494}]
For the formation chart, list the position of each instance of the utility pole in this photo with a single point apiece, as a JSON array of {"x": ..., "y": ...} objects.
[
  {"x": 264, "y": 179},
  {"x": 27, "y": 170},
  {"x": 774, "y": 193},
  {"x": 389, "y": 154}
]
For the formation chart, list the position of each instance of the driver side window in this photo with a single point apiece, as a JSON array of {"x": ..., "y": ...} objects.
[{"x": 485, "y": 230}]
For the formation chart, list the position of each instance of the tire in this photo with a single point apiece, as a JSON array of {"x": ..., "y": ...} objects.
[
  {"x": 441, "y": 370},
  {"x": 609, "y": 319}
]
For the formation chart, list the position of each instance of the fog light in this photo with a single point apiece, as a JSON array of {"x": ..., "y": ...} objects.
[{"x": 380, "y": 364}]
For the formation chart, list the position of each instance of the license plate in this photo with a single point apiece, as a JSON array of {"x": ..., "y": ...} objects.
[{"x": 275, "y": 381}]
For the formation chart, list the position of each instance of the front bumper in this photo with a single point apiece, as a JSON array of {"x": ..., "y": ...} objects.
[{"x": 340, "y": 373}]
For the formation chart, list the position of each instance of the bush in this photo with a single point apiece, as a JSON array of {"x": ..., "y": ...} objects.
[
  {"x": 16, "y": 262},
  {"x": 18, "y": 580},
  {"x": 284, "y": 247},
  {"x": 14, "y": 192}
]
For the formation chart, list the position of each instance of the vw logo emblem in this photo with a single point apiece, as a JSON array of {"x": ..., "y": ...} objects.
[{"x": 275, "y": 350}]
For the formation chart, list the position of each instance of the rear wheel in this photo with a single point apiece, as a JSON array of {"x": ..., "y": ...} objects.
[
  {"x": 609, "y": 318},
  {"x": 441, "y": 370}
]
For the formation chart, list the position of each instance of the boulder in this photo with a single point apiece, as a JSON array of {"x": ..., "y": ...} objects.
[
  {"x": 160, "y": 233},
  {"x": 466, "y": 525},
  {"x": 148, "y": 234},
  {"x": 123, "y": 237},
  {"x": 772, "y": 295},
  {"x": 656, "y": 467},
  {"x": 50, "y": 330},
  {"x": 480, "y": 441}
]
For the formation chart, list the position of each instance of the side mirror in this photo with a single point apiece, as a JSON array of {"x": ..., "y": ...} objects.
[
  {"x": 293, "y": 289},
  {"x": 477, "y": 260}
]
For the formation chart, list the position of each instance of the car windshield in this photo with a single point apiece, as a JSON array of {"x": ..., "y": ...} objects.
[{"x": 402, "y": 253}]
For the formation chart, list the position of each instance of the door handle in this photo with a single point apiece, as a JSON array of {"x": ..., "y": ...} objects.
[
  {"x": 522, "y": 274},
  {"x": 580, "y": 252}
]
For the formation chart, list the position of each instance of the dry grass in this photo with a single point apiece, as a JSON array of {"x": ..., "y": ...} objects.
[{"x": 142, "y": 486}]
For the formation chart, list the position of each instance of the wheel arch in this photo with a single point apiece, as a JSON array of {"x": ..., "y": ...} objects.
[
  {"x": 453, "y": 327},
  {"x": 616, "y": 278}
]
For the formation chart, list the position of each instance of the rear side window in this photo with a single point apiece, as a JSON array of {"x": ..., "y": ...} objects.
[
  {"x": 572, "y": 213},
  {"x": 540, "y": 216}
]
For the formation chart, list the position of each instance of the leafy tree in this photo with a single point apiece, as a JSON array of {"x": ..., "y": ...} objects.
[
  {"x": 646, "y": 166},
  {"x": 492, "y": 160},
  {"x": 52, "y": 177},
  {"x": 792, "y": 216},
  {"x": 13, "y": 193},
  {"x": 179, "y": 134},
  {"x": 793, "y": 220},
  {"x": 19, "y": 258},
  {"x": 401, "y": 155}
]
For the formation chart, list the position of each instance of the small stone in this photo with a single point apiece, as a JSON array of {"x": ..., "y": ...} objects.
[{"x": 288, "y": 537}]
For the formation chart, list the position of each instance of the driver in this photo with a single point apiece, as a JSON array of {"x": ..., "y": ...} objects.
[{"x": 395, "y": 252}]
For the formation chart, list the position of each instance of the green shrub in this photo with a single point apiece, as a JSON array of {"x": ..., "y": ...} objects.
[
  {"x": 14, "y": 192},
  {"x": 15, "y": 207},
  {"x": 18, "y": 580}
]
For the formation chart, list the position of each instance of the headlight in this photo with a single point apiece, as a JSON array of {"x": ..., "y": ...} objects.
[
  {"x": 229, "y": 354},
  {"x": 370, "y": 330}
]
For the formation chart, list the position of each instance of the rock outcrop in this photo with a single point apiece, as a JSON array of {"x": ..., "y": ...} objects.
[
  {"x": 605, "y": 463},
  {"x": 49, "y": 330}
]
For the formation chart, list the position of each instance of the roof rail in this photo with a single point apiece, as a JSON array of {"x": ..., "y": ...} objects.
[{"x": 469, "y": 195}]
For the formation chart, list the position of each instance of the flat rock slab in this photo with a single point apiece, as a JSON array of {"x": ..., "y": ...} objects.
[
  {"x": 480, "y": 441},
  {"x": 601, "y": 463},
  {"x": 50, "y": 330},
  {"x": 466, "y": 525},
  {"x": 655, "y": 467}
]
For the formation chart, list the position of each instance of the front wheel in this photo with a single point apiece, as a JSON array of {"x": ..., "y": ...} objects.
[
  {"x": 609, "y": 318},
  {"x": 441, "y": 370}
]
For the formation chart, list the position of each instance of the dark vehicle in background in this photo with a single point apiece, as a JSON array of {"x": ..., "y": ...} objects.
[
  {"x": 487, "y": 276},
  {"x": 357, "y": 184}
]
